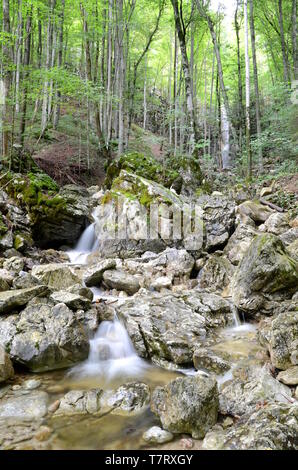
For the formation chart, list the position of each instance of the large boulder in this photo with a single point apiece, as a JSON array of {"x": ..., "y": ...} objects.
[
  {"x": 187, "y": 405},
  {"x": 24, "y": 406},
  {"x": 267, "y": 268},
  {"x": 272, "y": 427},
  {"x": 219, "y": 219},
  {"x": 55, "y": 276},
  {"x": 6, "y": 367},
  {"x": 239, "y": 242},
  {"x": 94, "y": 274},
  {"x": 162, "y": 327},
  {"x": 44, "y": 337},
  {"x": 216, "y": 274},
  {"x": 122, "y": 281},
  {"x": 56, "y": 217},
  {"x": 129, "y": 399},
  {"x": 15, "y": 299},
  {"x": 255, "y": 211},
  {"x": 250, "y": 388},
  {"x": 280, "y": 336}
]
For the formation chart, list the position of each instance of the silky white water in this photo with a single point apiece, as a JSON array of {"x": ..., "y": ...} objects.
[
  {"x": 87, "y": 244},
  {"x": 112, "y": 355}
]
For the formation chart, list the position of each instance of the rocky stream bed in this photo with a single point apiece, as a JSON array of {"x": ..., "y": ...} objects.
[{"x": 145, "y": 343}]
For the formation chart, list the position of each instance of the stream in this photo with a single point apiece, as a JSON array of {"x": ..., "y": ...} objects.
[{"x": 113, "y": 362}]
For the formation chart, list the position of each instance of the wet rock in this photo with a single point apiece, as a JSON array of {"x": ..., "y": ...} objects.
[
  {"x": 289, "y": 237},
  {"x": 78, "y": 289},
  {"x": 6, "y": 241},
  {"x": 14, "y": 264},
  {"x": 6, "y": 367},
  {"x": 216, "y": 274},
  {"x": 255, "y": 210},
  {"x": 55, "y": 276},
  {"x": 216, "y": 310},
  {"x": 219, "y": 219},
  {"x": 163, "y": 282},
  {"x": 249, "y": 389},
  {"x": 4, "y": 286},
  {"x": 94, "y": 274},
  {"x": 73, "y": 301},
  {"x": 156, "y": 435},
  {"x": 187, "y": 405},
  {"x": 289, "y": 376},
  {"x": 129, "y": 399},
  {"x": 80, "y": 402},
  {"x": 239, "y": 243},
  {"x": 207, "y": 359},
  {"x": 24, "y": 281},
  {"x": 281, "y": 340},
  {"x": 162, "y": 326},
  {"x": 14, "y": 299},
  {"x": 32, "y": 384},
  {"x": 121, "y": 281},
  {"x": 44, "y": 337},
  {"x": 22, "y": 406},
  {"x": 266, "y": 268},
  {"x": 277, "y": 224},
  {"x": 273, "y": 427}
]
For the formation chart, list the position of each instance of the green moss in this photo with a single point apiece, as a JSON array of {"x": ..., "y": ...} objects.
[
  {"x": 141, "y": 165},
  {"x": 3, "y": 228}
]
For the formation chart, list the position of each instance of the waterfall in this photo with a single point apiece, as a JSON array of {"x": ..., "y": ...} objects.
[
  {"x": 112, "y": 355},
  {"x": 87, "y": 244}
]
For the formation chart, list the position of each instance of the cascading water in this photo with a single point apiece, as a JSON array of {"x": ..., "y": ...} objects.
[
  {"x": 112, "y": 355},
  {"x": 87, "y": 244}
]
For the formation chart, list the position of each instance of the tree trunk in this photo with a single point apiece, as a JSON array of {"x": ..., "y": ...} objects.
[
  {"x": 247, "y": 69},
  {"x": 205, "y": 15},
  {"x": 294, "y": 39},
  {"x": 45, "y": 102},
  {"x": 181, "y": 32},
  {"x": 6, "y": 83},
  {"x": 57, "y": 109},
  {"x": 283, "y": 43},
  {"x": 27, "y": 53},
  {"x": 240, "y": 87},
  {"x": 256, "y": 82},
  {"x": 102, "y": 144}
]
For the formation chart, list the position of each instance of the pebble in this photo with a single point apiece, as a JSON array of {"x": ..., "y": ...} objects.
[
  {"x": 32, "y": 384},
  {"x": 54, "y": 406},
  {"x": 157, "y": 435}
]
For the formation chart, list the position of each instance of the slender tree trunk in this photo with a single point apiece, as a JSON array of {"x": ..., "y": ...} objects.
[
  {"x": 205, "y": 15},
  {"x": 6, "y": 82},
  {"x": 181, "y": 33},
  {"x": 240, "y": 87},
  {"x": 45, "y": 102},
  {"x": 256, "y": 83},
  {"x": 247, "y": 68},
  {"x": 283, "y": 43},
  {"x": 27, "y": 54},
  {"x": 145, "y": 97},
  {"x": 19, "y": 55},
  {"x": 102, "y": 145},
  {"x": 175, "y": 95},
  {"x": 121, "y": 77},
  {"x": 57, "y": 109},
  {"x": 294, "y": 38},
  {"x": 138, "y": 62}
]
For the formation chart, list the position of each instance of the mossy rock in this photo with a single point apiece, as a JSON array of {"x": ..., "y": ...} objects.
[
  {"x": 141, "y": 165},
  {"x": 3, "y": 228}
]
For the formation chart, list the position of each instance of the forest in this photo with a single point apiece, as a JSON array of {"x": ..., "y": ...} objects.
[{"x": 148, "y": 226}]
